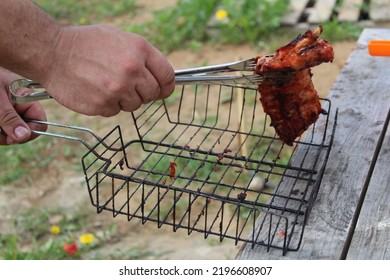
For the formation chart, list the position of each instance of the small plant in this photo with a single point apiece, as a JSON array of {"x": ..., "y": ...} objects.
[
  {"x": 178, "y": 26},
  {"x": 49, "y": 234},
  {"x": 34, "y": 237},
  {"x": 226, "y": 21},
  {"x": 338, "y": 31},
  {"x": 248, "y": 21}
]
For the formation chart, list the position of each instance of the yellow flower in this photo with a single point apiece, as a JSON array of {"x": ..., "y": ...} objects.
[
  {"x": 87, "y": 238},
  {"x": 55, "y": 230},
  {"x": 82, "y": 21},
  {"x": 221, "y": 14}
]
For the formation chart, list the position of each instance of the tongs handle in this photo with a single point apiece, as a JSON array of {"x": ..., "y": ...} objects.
[
  {"x": 39, "y": 92},
  {"x": 196, "y": 75}
]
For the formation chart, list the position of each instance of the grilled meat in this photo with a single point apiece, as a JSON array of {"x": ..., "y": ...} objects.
[{"x": 293, "y": 105}]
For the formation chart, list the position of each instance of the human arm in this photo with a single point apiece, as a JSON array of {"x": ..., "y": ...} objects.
[{"x": 94, "y": 70}]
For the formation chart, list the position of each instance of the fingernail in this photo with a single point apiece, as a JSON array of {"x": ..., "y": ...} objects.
[{"x": 21, "y": 132}]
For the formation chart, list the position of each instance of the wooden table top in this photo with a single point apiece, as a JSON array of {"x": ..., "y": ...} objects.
[{"x": 350, "y": 218}]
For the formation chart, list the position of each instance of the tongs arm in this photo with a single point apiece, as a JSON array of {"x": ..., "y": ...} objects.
[
  {"x": 241, "y": 65},
  {"x": 198, "y": 75},
  {"x": 39, "y": 92}
]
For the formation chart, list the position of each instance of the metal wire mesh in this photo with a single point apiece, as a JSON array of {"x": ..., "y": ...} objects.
[{"x": 205, "y": 160}]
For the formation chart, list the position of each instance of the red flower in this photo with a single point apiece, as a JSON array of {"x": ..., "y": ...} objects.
[{"x": 70, "y": 248}]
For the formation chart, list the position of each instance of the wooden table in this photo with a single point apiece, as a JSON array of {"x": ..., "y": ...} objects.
[{"x": 351, "y": 215}]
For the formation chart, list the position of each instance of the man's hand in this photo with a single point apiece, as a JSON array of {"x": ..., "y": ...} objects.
[
  {"x": 93, "y": 70},
  {"x": 101, "y": 70},
  {"x": 13, "y": 128}
]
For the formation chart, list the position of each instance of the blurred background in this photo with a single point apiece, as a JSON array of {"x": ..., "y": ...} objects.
[{"x": 46, "y": 213}]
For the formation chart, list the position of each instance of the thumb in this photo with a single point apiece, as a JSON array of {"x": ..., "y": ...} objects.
[{"x": 14, "y": 129}]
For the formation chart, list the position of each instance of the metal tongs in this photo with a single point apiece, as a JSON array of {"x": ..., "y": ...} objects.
[{"x": 198, "y": 75}]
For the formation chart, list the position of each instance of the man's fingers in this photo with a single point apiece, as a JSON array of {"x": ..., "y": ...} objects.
[
  {"x": 33, "y": 111},
  {"x": 148, "y": 88},
  {"x": 13, "y": 129},
  {"x": 11, "y": 124},
  {"x": 162, "y": 72}
]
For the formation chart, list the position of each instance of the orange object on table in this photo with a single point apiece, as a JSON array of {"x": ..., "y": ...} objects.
[{"x": 379, "y": 48}]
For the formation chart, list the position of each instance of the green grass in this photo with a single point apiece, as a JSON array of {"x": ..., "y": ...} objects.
[
  {"x": 21, "y": 160},
  {"x": 35, "y": 158},
  {"x": 86, "y": 11},
  {"x": 341, "y": 31},
  {"x": 11, "y": 250},
  {"x": 31, "y": 239},
  {"x": 179, "y": 26},
  {"x": 249, "y": 21},
  {"x": 191, "y": 23}
]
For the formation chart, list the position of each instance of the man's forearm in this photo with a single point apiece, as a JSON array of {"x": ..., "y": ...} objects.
[
  {"x": 93, "y": 70},
  {"x": 28, "y": 37}
]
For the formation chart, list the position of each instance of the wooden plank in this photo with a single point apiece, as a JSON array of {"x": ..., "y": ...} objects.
[
  {"x": 371, "y": 239},
  {"x": 360, "y": 121},
  {"x": 322, "y": 11},
  {"x": 379, "y": 10},
  {"x": 294, "y": 12},
  {"x": 350, "y": 10}
]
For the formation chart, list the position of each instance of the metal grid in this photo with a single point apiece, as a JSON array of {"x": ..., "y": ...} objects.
[{"x": 206, "y": 160}]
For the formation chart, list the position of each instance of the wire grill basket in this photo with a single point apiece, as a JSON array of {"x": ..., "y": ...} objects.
[{"x": 205, "y": 160}]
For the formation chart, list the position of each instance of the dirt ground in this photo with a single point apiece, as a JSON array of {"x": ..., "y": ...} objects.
[{"x": 65, "y": 188}]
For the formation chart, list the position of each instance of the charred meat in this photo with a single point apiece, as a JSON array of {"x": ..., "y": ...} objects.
[{"x": 293, "y": 104}]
